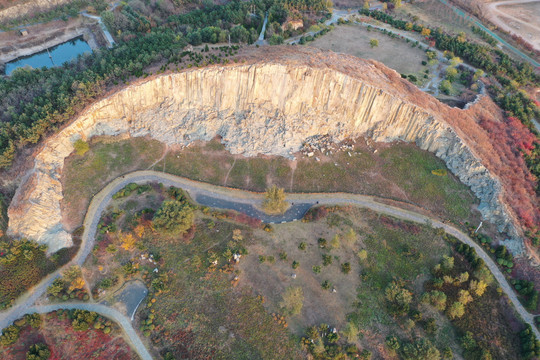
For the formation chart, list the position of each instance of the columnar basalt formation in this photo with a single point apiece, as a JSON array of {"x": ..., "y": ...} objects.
[{"x": 261, "y": 107}]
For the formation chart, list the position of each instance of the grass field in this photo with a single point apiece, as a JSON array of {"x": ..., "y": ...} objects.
[
  {"x": 398, "y": 171},
  {"x": 203, "y": 304},
  {"x": 83, "y": 176},
  {"x": 354, "y": 40}
]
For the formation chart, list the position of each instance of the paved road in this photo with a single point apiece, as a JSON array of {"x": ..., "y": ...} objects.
[
  {"x": 261, "y": 41},
  {"x": 124, "y": 323},
  {"x": 240, "y": 200},
  {"x": 478, "y": 23}
]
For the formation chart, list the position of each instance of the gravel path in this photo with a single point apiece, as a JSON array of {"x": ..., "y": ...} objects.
[{"x": 244, "y": 201}]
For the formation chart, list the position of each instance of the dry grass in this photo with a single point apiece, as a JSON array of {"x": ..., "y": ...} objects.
[{"x": 354, "y": 40}]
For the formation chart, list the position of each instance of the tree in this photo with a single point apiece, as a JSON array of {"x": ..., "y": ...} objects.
[
  {"x": 38, "y": 352},
  {"x": 239, "y": 34},
  {"x": 456, "y": 310},
  {"x": 464, "y": 297},
  {"x": 128, "y": 241},
  {"x": 392, "y": 342},
  {"x": 292, "y": 301},
  {"x": 447, "y": 263},
  {"x": 373, "y": 43},
  {"x": 83, "y": 319},
  {"x": 477, "y": 287},
  {"x": 421, "y": 349},
  {"x": 399, "y": 297},
  {"x": 55, "y": 288},
  {"x": 276, "y": 39},
  {"x": 34, "y": 320},
  {"x": 350, "y": 332},
  {"x": 274, "y": 200},
  {"x": 451, "y": 74},
  {"x": 438, "y": 300},
  {"x": 174, "y": 217},
  {"x": 9, "y": 335}
]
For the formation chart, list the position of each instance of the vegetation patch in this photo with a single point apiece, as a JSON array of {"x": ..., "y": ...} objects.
[{"x": 65, "y": 335}]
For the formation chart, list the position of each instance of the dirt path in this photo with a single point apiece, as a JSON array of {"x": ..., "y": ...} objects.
[{"x": 241, "y": 199}]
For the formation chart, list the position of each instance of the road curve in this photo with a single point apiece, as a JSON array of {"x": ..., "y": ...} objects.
[
  {"x": 239, "y": 199},
  {"x": 121, "y": 320}
]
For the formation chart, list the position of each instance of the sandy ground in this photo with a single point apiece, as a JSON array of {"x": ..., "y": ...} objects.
[
  {"x": 43, "y": 36},
  {"x": 520, "y": 17},
  {"x": 354, "y": 40}
]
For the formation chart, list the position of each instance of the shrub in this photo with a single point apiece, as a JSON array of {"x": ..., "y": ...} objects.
[
  {"x": 362, "y": 255},
  {"x": 327, "y": 259},
  {"x": 292, "y": 301},
  {"x": 38, "y": 352},
  {"x": 81, "y": 147},
  {"x": 326, "y": 285},
  {"x": 346, "y": 268},
  {"x": 322, "y": 243},
  {"x": 456, "y": 310},
  {"x": 9, "y": 335},
  {"x": 34, "y": 320},
  {"x": 439, "y": 172},
  {"x": 302, "y": 246},
  {"x": 421, "y": 349},
  {"x": 283, "y": 255},
  {"x": 316, "y": 269},
  {"x": 392, "y": 342},
  {"x": 295, "y": 264},
  {"x": 335, "y": 243},
  {"x": 399, "y": 298}
]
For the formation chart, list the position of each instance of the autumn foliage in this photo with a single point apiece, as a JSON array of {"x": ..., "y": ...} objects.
[{"x": 510, "y": 138}]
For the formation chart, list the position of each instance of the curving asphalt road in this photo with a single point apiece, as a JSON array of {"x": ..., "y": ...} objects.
[{"x": 239, "y": 200}]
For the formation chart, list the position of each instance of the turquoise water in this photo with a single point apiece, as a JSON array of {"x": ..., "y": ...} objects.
[{"x": 54, "y": 56}]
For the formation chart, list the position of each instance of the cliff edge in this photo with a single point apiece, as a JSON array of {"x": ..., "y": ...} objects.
[{"x": 270, "y": 106}]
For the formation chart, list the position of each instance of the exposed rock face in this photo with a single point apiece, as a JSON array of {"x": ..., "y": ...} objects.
[{"x": 259, "y": 108}]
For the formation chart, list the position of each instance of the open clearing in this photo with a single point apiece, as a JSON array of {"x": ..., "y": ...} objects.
[
  {"x": 203, "y": 304},
  {"x": 354, "y": 40},
  {"x": 397, "y": 171}
]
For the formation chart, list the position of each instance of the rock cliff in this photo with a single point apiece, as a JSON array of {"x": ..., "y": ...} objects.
[{"x": 261, "y": 107}]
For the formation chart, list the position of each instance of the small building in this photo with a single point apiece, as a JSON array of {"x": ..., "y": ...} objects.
[{"x": 23, "y": 32}]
